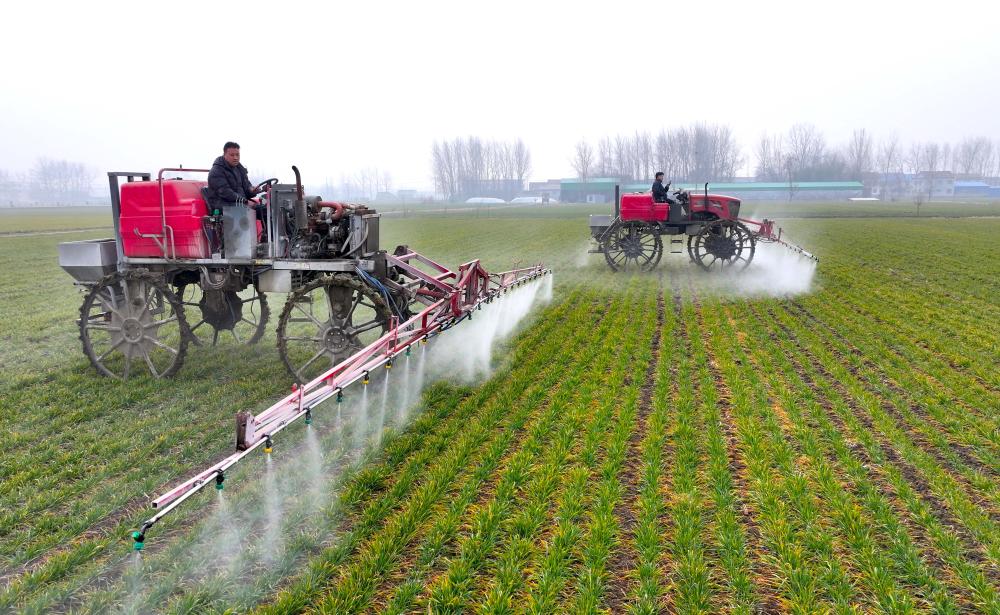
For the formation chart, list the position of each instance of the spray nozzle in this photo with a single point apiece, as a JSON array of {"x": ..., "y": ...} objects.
[
  {"x": 138, "y": 540},
  {"x": 364, "y": 379},
  {"x": 340, "y": 395},
  {"x": 268, "y": 445},
  {"x": 388, "y": 364},
  {"x": 407, "y": 351},
  {"x": 309, "y": 416},
  {"x": 220, "y": 478}
]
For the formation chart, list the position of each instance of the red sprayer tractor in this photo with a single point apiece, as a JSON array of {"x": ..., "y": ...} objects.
[
  {"x": 717, "y": 238},
  {"x": 176, "y": 275}
]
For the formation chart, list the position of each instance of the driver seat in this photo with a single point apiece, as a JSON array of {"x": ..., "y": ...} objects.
[
  {"x": 212, "y": 225},
  {"x": 206, "y": 196}
]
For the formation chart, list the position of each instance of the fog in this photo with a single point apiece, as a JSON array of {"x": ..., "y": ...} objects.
[{"x": 348, "y": 86}]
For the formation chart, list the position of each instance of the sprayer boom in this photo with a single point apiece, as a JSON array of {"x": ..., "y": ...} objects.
[
  {"x": 448, "y": 297},
  {"x": 765, "y": 233}
]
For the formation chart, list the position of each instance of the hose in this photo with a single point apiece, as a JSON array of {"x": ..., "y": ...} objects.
[
  {"x": 374, "y": 283},
  {"x": 206, "y": 279},
  {"x": 360, "y": 243}
]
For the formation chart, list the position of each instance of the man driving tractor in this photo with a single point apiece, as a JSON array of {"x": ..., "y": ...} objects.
[
  {"x": 229, "y": 183},
  {"x": 660, "y": 192}
]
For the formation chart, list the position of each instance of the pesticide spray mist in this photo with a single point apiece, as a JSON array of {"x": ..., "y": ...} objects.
[
  {"x": 467, "y": 355},
  {"x": 776, "y": 271},
  {"x": 279, "y": 509}
]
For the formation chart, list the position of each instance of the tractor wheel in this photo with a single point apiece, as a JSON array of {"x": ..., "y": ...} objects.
[
  {"x": 632, "y": 246},
  {"x": 722, "y": 244},
  {"x": 326, "y": 321},
  {"x": 130, "y": 319},
  {"x": 241, "y": 315}
]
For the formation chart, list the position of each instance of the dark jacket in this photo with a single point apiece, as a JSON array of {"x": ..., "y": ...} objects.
[
  {"x": 228, "y": 185},
  {"x": 660, "y": 194}
]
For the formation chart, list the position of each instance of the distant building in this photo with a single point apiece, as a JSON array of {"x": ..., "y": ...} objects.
[
  {"x": 936, "y": 183},
  {"x": 905, "y": 186},
  {"x": 593, "y": 190},
  {"x": 505, "y": 189},
  {"x": 971, "y": 188},
  {"x": 550, "y": 188},
  {"x": 484, "y": 200},
  {"x": 407, "y": 196},
  {"x": 764, "y": 191},
  {"x": 534, "y": 200},
  {"x": 602, "y": 190}
]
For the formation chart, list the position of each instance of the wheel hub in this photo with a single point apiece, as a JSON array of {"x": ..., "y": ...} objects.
[
  {"x": 632, "y": 247},
  {"x": 130, "y": 326},
  {"x": 132, "y": 330},
  {"x": 221, "y": 309},
  {"x": 721, "y": 247},
  {"x": 337, "y": 341}
]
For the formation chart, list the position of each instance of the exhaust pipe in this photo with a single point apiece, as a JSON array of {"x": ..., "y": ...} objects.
[{"x": 299, "y": 208}]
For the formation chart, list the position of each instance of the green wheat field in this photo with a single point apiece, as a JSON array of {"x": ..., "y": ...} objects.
[{"x": 670, "y": 442}]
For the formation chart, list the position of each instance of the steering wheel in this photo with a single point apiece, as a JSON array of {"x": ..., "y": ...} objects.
[{"x": 267, "y": 183}]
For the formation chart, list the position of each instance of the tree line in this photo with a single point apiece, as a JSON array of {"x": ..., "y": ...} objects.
[
  {"x": 708, "y": 152},
  {"x": 50, "y": 182},
  {"x": 363, "y": 185},
  {"x": 686, "y": 153},
  {"x": 462, "y": 166},
  {"x": 803, "y": 154}
]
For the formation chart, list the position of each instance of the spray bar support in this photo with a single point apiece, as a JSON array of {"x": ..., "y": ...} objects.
[{"x": 451, "y": 296}]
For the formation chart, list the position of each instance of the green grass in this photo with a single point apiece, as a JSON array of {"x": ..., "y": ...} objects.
[{"x": 646, "y": 444}]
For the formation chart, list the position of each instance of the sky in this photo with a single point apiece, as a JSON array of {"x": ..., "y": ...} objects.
[{"x": 341, "y": 86}]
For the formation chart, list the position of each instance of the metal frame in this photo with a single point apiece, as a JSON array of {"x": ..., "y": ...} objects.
[
  {"x": 450, "y": 297},
  {"x": 116, "y": 206},
  {"x": 166, "y": 235}
]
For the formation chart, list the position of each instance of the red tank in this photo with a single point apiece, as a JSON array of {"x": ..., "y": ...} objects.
[
  {"x": 641, "y": 207},
  {"x": 184, "y": 207}
]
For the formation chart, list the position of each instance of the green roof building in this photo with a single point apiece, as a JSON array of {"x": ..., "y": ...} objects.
[{"x": 602, "y": 190}]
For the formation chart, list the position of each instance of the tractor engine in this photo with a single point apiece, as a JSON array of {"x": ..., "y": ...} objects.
[
  {"x": 325, "y": 234},
  {"x": 313, "y": 229}
]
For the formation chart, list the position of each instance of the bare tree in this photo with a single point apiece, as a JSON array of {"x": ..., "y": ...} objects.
[
  {"x": 583, "y": 160},
  {"x": 443, "y": 168},
  {"x": 974, "y": 157},
  {"x": 932, "y": 157},
  {"x": 890, "y": 163},
  {"x": 946, "y": 157},
  {"x": 662, "y": 158},
  {"x": 622, "y": 163},
  {"x": 60, "y": 181},
  {"x": 918, "y": 200},
  {"x": 643, "y": 146},
  {"x": 521, "y": 161},
  {"x": 472, "y": 163},
  {"x": 770, "y": 158},
  {"x": 805, "y": 151},
  {"x": 697, "y": 152},
  {"x": 914, "y": 159},
  {"x": 605, "y": 157},
  {"x": 790, "y": 170},
  {"x": 8, "y": 187},
  {"x": 860, "y": 153}
]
